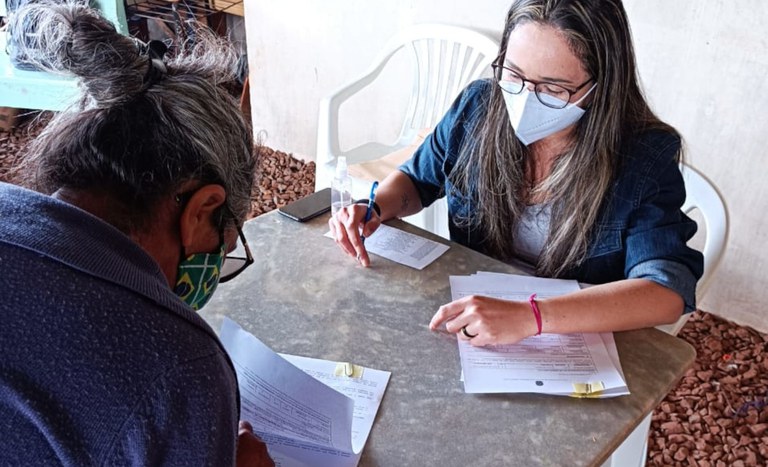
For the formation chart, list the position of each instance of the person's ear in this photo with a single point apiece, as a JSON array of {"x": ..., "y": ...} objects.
[{"x": 200, "y": 229}]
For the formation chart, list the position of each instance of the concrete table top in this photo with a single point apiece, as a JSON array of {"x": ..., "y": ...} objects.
[{"x": 304, "y": 297}]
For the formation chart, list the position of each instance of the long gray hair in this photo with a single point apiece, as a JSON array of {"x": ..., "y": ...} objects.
[
  {"x": 493, "y": 165},
  {"x": 144, "y": 125}
]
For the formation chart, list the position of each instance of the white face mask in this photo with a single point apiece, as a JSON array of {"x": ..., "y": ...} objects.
[{"x": 533, "y": 120}]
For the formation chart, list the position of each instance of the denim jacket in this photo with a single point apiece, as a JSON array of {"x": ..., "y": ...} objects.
[{"x": 641, "y": 232}]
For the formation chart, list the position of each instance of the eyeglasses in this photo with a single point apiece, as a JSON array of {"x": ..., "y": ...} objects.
[
  {"x": 234, "y": 265},
  {"x": 550, "y": 94}
]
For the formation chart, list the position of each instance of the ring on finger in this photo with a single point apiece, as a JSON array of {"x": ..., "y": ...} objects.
[{"x": 466, "y": 334}]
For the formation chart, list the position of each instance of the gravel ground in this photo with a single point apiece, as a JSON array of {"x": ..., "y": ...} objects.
[
  {"x": 716, "y": 416},
  {"x": 718, "y": 413}
]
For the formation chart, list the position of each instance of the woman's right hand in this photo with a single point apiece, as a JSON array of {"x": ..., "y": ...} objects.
[{"x": 348, "y": 225}]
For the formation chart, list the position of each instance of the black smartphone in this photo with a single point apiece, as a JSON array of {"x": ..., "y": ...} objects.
[{"x": 309, "y": 206}]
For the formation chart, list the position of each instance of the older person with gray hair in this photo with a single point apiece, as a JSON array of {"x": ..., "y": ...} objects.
[{"x": 138, "y": 194}]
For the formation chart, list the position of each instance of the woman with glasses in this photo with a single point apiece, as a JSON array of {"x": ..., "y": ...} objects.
[
  {"x": 138, "y": 193},
  {"x": 558, "y": 165}
]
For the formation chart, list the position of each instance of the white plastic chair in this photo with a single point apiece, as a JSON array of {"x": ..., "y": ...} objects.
[
  {"x": 446, "y": 59},
  {"x": 24, "y": 89},
  {"x": 701, "y": 195}
]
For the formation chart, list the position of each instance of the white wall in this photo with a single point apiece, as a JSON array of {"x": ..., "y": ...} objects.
[
  {"x": 704, "y": 66},
  {"x": 705, "y": 69}
]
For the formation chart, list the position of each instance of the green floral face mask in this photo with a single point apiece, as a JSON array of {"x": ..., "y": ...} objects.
[{"x": 197, "y": 277}]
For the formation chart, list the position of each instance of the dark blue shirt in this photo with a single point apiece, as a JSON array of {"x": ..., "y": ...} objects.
[
  {"x": 101, "y": 363},
  {"x": 641, "y": 232}
]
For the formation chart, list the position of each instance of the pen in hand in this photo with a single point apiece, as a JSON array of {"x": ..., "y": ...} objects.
[{"x": 369, "y": 210}]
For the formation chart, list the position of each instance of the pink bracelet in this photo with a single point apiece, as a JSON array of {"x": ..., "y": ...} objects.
[{"x": 536, "y": 312}]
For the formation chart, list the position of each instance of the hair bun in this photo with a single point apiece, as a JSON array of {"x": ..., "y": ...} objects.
[{"x": 72, "y": 39}]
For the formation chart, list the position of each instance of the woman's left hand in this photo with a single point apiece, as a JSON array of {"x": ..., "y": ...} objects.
[{"x": 488, "y": 320}]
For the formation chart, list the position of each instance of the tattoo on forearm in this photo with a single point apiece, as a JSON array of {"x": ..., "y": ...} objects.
[{"x": 404, "y": 202}]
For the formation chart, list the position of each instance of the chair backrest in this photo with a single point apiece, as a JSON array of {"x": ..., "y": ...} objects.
[
  {"x": 702, "y": 195},
  {"x": 446, "y": 58}
]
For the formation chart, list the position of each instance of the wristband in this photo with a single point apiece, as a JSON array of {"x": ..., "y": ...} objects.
[
  {"x": 536, "y": 312},
  {"x": 375, "y": 206}
]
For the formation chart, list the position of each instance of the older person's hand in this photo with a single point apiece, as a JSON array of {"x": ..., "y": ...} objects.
[{"x": 251, "y": 451}]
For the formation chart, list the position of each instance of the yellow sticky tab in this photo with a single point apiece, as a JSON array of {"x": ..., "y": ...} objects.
[
  {"x": 348, "y": 369},
  {"x": 588, "y": 389}
]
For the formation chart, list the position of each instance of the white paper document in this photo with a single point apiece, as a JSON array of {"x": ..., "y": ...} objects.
[
  {"x": 307, "y": 411},
  {"x": 579, "y": 364},
  {"x": 403, "y": 247}
]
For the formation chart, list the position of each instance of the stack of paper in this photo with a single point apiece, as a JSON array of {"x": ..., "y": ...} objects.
[
  {"x": 309, "y": 412},
  {"x": 578, "y": 365}
]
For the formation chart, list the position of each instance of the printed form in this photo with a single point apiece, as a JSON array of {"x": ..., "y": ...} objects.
[
  {"x": 304, "y": 409},
  {"x": 403, "y": 247},
  {"x": 579, "y": 365}
]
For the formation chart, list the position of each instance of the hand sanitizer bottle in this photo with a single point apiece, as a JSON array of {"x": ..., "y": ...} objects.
[{"x": 341, "y": 187}]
